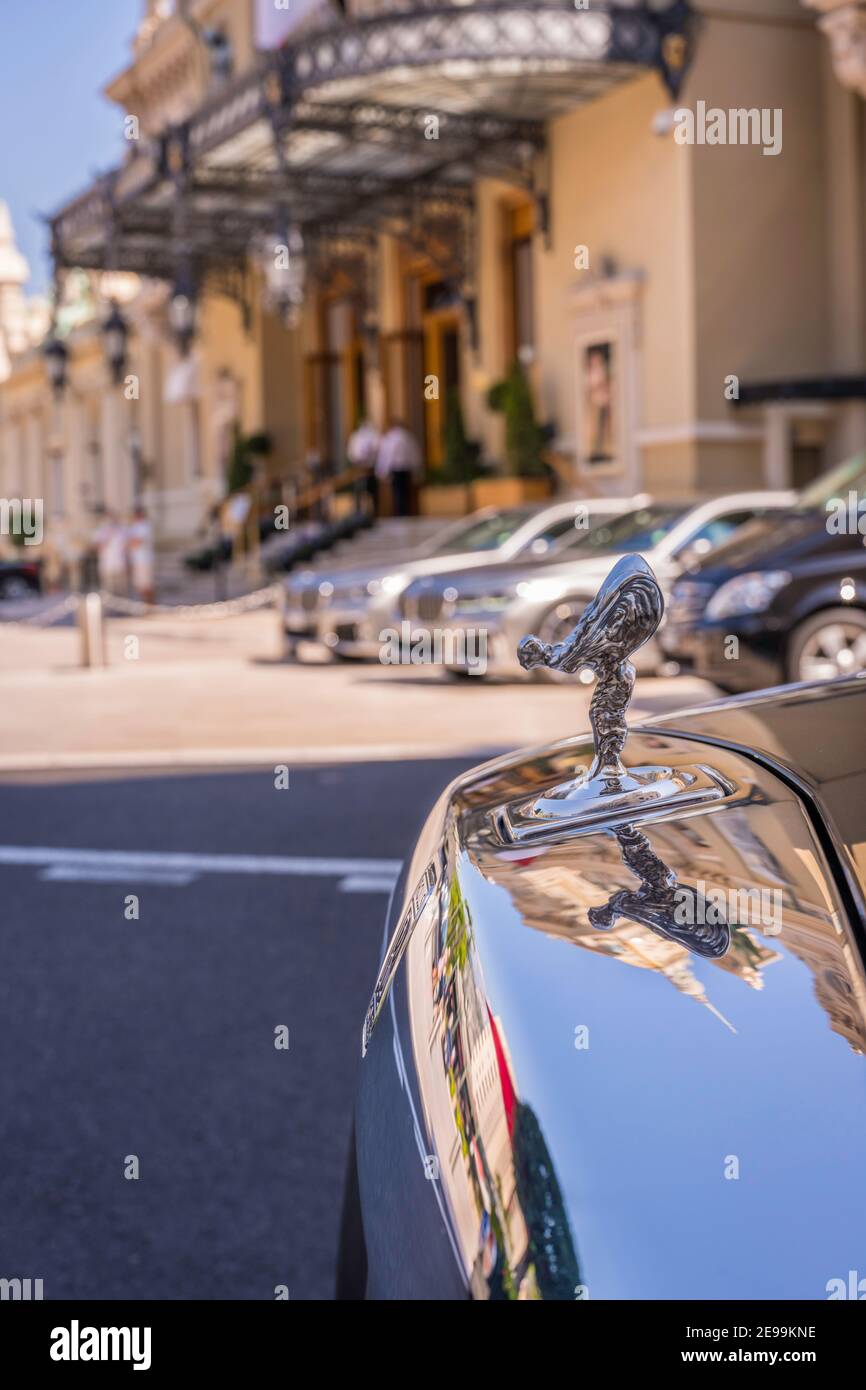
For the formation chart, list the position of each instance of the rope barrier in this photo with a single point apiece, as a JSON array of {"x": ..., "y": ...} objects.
[
  {"x": 46, "y": 616},
  {"x": 224, "y": 608}
]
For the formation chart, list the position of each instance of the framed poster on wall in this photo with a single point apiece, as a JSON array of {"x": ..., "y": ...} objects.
[
  {"x": 607, "y": 380},
  {"x": 599, "y": 441}
]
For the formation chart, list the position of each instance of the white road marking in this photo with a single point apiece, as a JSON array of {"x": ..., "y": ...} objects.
[
  {"x": 131, "y": 862},
  {"x": 107, "y": 873},
  {"x": 366, "y": 883}
]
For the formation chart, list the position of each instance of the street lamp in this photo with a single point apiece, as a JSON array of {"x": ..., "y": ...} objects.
[
  {"x": 283, "y": 262},
  {"x": 56, "y": 355},
  {"x": 181, "y": 315},
  {"x": 297, "y": 286},
  {"x": 115, "y": 332}
]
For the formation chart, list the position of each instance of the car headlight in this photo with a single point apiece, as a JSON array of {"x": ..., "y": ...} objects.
[
  {"x": 541, "y": 590},
  {"x": 748, "y": 593},
  {"x": 393, "y": 583}
]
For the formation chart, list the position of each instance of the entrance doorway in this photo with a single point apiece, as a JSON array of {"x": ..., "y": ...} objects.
[{"x": 442, "y": 319}]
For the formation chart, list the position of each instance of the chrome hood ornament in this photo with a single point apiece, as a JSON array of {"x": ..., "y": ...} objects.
[{"x": 623, "y": 616}]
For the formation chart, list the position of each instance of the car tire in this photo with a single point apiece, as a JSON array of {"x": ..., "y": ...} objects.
[
  {"x": 559, "y": 621},
  {"x": 827, "y": 645}
]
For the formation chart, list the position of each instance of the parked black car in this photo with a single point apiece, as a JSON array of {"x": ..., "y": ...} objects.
[
  {"x": 19, "y": 578},
  {"x": 785, "y": 600}
]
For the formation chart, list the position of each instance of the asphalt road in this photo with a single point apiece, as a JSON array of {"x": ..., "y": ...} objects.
[{"x": 154, "y": 1037}]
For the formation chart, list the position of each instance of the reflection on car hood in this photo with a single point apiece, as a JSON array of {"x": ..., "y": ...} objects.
[{"x": 619, "y": 1106}]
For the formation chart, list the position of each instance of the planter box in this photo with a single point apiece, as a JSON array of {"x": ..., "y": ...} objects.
[
  {"x": 509, "y": 492},
  {"x": 446, "y": 501}
]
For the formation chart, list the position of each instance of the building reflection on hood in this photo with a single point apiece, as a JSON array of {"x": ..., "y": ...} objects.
[{"x": 517, "y": 1223}]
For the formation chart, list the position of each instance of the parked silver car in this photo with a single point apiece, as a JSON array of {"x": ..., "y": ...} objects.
[
  {"x": 355, "y": 607},
  {"x": 306, "y": 589},
  {"x": 487, "y": 610}
]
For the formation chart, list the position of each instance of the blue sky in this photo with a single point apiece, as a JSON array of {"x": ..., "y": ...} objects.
[{"x": 58, "y": 129}]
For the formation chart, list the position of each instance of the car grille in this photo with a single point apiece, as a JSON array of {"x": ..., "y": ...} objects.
[
  {"x": 349, "y": 593},
  {"x": 688, "y": 600},
  {"x": 421, "y": 608}
]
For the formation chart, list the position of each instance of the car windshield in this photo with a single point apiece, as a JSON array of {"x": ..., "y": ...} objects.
[
  {"x": 622, "y": 535},
  {"x": 848, "y": 477},
  {"x": 487, "y": 534}
]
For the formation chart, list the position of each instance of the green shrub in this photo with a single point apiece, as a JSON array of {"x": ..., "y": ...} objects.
[
  {"x": 459, "y": 454},
  {"x": 524, "y": 437}
]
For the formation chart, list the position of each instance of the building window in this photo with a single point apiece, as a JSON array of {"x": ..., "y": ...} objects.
[
  {"x": 524, "y": 307},
  {"x": 335, "y": 388},
  {"x": 520, "y": 286}
]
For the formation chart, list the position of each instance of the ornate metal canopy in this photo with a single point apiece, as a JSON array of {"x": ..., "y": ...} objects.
[{"x": 377, "y": 122}]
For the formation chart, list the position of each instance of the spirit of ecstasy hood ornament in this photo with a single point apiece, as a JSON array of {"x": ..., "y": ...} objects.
[{"x": 623, "y": 616}]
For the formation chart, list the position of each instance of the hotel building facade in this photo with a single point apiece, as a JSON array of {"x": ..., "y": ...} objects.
[{"x": 333, "y": 210}]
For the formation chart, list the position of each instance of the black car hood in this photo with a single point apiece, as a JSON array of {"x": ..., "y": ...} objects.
[
  {"x": 814, "y": 734},
  {"x": 615, "y": 1111}
]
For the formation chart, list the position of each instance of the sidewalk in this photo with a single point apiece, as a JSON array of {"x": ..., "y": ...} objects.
[{"x": 220, "y": 692}]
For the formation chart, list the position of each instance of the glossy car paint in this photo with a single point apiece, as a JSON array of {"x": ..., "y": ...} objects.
[{"x": 552, "y": 1110}]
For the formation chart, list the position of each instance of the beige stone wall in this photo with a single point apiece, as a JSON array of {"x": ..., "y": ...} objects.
[{"x": 759, "y": 223}]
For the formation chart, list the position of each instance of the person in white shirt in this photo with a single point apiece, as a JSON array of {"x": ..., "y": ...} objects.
[
  {"x": 398, "y": 460},
  {"x": 362, "y": 450},
  {"x": 110, "y": 541},
  {"x": 139, "y": 539}
]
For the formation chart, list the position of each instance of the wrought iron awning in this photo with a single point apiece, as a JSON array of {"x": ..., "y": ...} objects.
[{"x": 367, "y": 123}]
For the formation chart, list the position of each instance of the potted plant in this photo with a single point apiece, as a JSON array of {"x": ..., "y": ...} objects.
[
  {"x": 241, "y": 469},
  {"x": 448, "y": 491},
  {"x": 527, "y": 473}
]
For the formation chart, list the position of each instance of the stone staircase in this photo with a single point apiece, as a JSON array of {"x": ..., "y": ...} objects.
[{"x": 388, "y": 540}]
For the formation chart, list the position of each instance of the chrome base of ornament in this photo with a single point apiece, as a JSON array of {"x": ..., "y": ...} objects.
[{"x": 590, "y": 802}]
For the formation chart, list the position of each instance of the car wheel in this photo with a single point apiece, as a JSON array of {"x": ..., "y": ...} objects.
[
  {"x": 13, "y": 586},
  {"x": 830, "y": 644},
  {"x": 556, "y": 624}
]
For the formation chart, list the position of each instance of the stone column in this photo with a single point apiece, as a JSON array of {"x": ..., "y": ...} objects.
[{"x": 117, "y": 471}]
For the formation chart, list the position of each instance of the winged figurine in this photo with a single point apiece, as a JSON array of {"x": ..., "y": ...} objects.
[{"x": 621, "y": 618}]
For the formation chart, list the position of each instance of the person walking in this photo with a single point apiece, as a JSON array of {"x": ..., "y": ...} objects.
[
  {"x": 362, "y": 450},
  {"x": 139, "y": 539},
  {"x": 399, "y": 459},
  {"x": 110, "y": 541}
]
